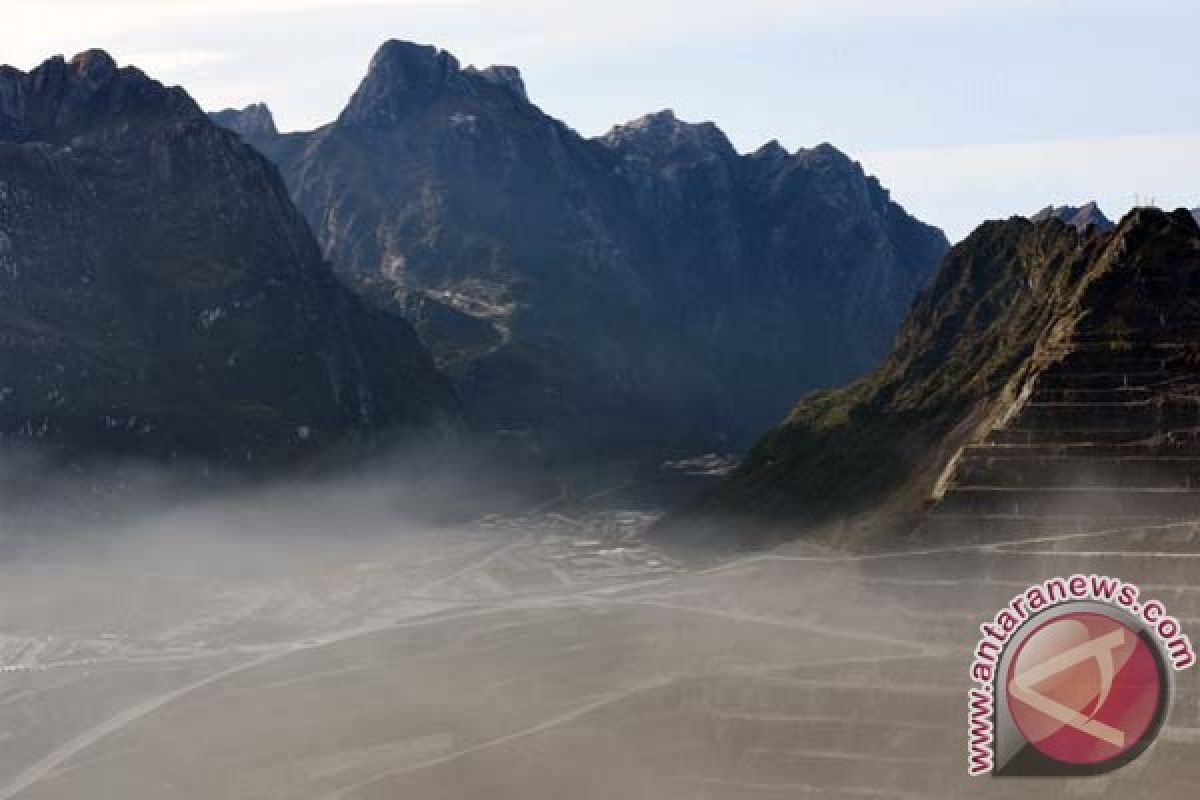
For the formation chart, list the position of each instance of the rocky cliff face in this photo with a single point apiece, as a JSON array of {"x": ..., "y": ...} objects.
[
  {"x": 254, "y": 122},
  {"x": 1026, "y": 326},
  {"x": 161, "y": 295},
  {"x": 649, "y": 289}
]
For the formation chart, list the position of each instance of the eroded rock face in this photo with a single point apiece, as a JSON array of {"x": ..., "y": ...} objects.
[
  {"x": 161, "y": 295},
  {"x": 504, "y": 76},
  {"x": 1080, "y": 217},
  {"x": 649, "y": 289},
  {"x": 253, "y": 122},
  {"x": 1046, "y": 372}
]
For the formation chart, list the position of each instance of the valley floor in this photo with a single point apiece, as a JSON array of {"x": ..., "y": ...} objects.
[{"x": 533, "y": 657}]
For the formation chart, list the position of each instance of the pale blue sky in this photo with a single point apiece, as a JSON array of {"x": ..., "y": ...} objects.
[{"x": 966, "y": 109}]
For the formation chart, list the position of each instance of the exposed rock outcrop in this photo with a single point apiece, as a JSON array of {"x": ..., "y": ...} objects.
[
  {"x": 254, "y": 122},
  {"x": 1079, "y": 217},
  {"x": 161, "y": 295},
  {"x": 503, "y": 76}
]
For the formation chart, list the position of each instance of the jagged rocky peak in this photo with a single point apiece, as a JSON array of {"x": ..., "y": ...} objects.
[
  {"x": 62, "y": 99},
  {"x": 825, "y": 153},
  {"x": 771, "y": 152},
  {"x": 252, "y": 122},
  {"x": 1081, "y": 217},
  {"x": 662, "y": 136},
  {"x": 502, "y": 75},
  {"x": 94, "y": 67},
  {"x": 1153, "y": 230},
  {"x": 829, "y": 172},
  {"x": 772, "y": 160},
  {"x": 402, "y": 77},
  {"x": 826, "y": 150},
  {"x": 410, "y": 63}
]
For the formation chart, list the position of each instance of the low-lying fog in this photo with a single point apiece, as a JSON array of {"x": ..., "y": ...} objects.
[{"x": 323, "y": 641}]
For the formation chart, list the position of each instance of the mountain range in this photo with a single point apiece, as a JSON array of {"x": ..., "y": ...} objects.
[
  {"x": 649, "y": 290},
  {"x": 160, "y": 294}
]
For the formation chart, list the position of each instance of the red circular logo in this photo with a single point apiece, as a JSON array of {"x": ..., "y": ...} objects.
[{"x": 1084, "y": 688}]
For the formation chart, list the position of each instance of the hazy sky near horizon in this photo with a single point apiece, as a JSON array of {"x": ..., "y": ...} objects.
[{"x": 965, "y": 109}]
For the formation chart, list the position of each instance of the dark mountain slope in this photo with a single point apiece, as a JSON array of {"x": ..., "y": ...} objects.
[
  {"x": 160, "y": 294},
  {"x": 1006, "y": 302},
  {"x": 778, "y": 254},
  {"x": 649, "y": 290}
]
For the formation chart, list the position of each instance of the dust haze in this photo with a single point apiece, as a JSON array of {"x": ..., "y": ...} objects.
[{"x": 391, "y": 634}]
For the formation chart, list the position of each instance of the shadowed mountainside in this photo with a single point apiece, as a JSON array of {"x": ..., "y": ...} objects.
[
  {"x": 161, "y": 295},
  {"x": 648, "y": 290},
  {"x": 1011, "y": 300}
]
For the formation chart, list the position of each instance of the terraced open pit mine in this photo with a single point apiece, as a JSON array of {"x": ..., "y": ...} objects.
[{"x": 1107, "y": 436}]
